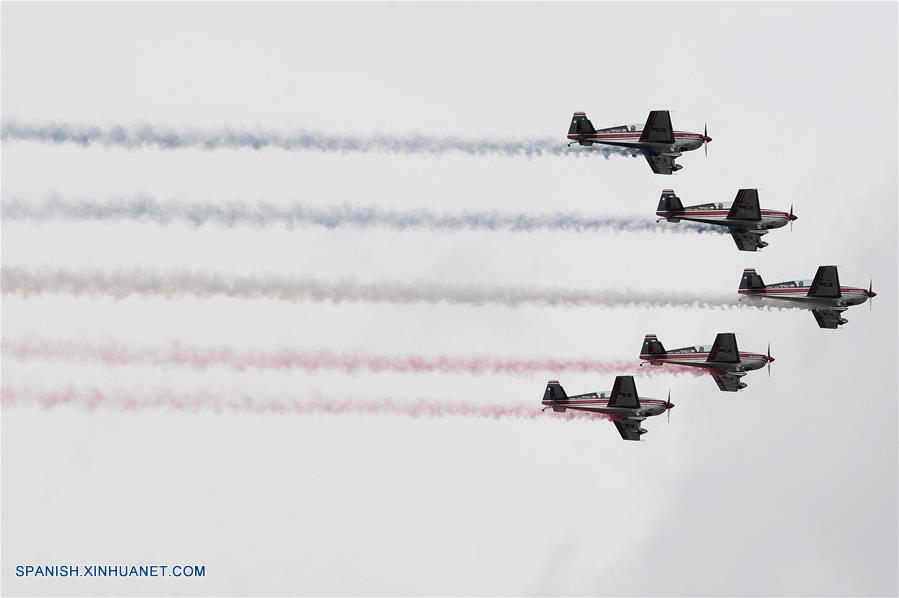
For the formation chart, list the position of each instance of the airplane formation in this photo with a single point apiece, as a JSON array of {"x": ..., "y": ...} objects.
[{"x": 746, "y": 222}]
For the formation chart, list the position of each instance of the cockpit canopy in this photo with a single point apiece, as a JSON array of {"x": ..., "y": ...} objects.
[
  {"x": 791, "y": 284},
  {"x": 696, "y": 349},
  {"x": 622, "y": 129},
  {"x": 724, "y": 205}
]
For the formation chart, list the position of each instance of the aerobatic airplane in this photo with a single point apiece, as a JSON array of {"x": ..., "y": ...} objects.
[
  {"x": 723, "y": 359},
  {"x": 656, "y": 140},
  {"x": 823, "y": 295},
  {"x": 621, "y": 405},
  {"x": 744, "y": 219}
]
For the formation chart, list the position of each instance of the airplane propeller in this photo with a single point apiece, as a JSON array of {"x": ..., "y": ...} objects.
[
  {"x": 871, "y": 295},
  {"x": 669, "y": 406},
  {"x": 705, "y": 139},
  {"x": 792, "y": 217},
  {"x": 770, "y": 359}
]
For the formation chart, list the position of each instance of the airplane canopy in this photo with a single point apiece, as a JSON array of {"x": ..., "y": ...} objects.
[
  {"x": 791, "y": 284},
  {"x": 722, "y": 205},
  {"x": 694, "y": 349},
  {"x": 622, "y": 129}
]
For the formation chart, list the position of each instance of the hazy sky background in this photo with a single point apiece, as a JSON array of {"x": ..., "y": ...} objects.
[{"x": 788, "y": 487}]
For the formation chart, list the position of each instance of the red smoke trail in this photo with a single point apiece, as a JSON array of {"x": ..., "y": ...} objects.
[
  {"x": 91, "y": 399},
  {"x": 200, "y": 358}
]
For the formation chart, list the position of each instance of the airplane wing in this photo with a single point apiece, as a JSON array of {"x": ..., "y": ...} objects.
[
  {"x": 660, "y": 163},
  {"x": 628, "y": 428},
  {"x": 745, "y": 240},
  {"x": 828, "y": 318},
  {"x": 624, "y": 393},
  {"x": 658, "y": 128},
  {"x": 745, "y": 206},
  {"x": 730, "y": 381},
  {"x": 725, "y": 348},
  {"x": 826, "y": 283}
]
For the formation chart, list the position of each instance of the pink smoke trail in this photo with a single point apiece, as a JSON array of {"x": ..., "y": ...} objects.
[
  {"x": 91, "y": 399},
  {"x": 200, "y": 358}
]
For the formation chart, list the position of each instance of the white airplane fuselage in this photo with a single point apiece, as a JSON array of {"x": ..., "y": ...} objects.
[
  {"x": 684, "y": 141},
  {"x": 648, "y": 407},
  {"x": 798, "y": 297},
  {"x": 771, "y": 219},
  {"x": 746, "y": 363}
]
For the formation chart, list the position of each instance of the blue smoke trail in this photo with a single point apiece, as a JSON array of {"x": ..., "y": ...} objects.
[{"x": 146, "y": 136}]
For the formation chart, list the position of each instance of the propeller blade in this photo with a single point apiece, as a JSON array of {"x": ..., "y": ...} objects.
[
  {"x": 668, "y": 405},
  {"x": 705, "y": 135},
  {"x": 769, "y": 360},
  {"x": 791, "y": 218},
  {"x": 871, "y": 295}
]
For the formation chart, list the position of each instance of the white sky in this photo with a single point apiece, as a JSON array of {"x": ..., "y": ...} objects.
[{"x": 789, "y": 487}]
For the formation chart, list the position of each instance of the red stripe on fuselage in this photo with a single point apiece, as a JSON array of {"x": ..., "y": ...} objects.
[
  {"x": 568, "y": 403},
  {"x": 797, "y": 290},
  {"x": 715, "y": 213},
  {"x": 696, "y": 355},
  {"x": 629, "y": 134}
]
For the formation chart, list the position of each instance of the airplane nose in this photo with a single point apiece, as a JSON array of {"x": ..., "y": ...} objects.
[
  {"x": 706, "y": 138},
  {"x": 794, "y": 217},
  {"x": 872, "y": 294},
  {"x": 770, "y": 359}
]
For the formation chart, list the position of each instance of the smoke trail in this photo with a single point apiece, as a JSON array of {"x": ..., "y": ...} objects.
[
  {"x": 92, "y": 399},
  {"x": 147, "y": 136},
  {"x": 297, "y": 215},
  {"x": 124, "y": 284},
  {"x": 200, "y": 358}
]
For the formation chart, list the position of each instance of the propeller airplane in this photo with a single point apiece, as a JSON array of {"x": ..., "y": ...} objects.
[
  {"x": 656, "y": 140},
  {"x": 622, "y": 405}
]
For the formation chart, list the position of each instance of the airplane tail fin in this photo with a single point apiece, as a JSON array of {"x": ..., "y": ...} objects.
[
  {"x": 554, "y": 392},
  {"x": 580, "y": 124},
  {"x": 651, "y": 346},
  {"x": 751, "y": 280},
  {"x": 826, "y": 283},
  {"x": 669, "y": 202}
]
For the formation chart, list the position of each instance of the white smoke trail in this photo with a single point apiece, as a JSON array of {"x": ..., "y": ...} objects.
[
  {"x": 93, "y": 399},
  {"x": 297, "y": 215},
  {"x": 112, "y": 354},
  {"x": 22, "y": 282},
  {"x": 147, "y": 136}
]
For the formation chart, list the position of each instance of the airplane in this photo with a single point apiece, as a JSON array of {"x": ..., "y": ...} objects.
[
  {"x": 745, "y": 221},
  {"x": 823, "y": 295},
  {"x": 622, "y": 404},
  {"x": 656, "y": 140},
  {"x": 723, "y": 359}
]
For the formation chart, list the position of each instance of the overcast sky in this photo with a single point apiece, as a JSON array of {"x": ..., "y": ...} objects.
[{"x": 789, "y": 487}]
